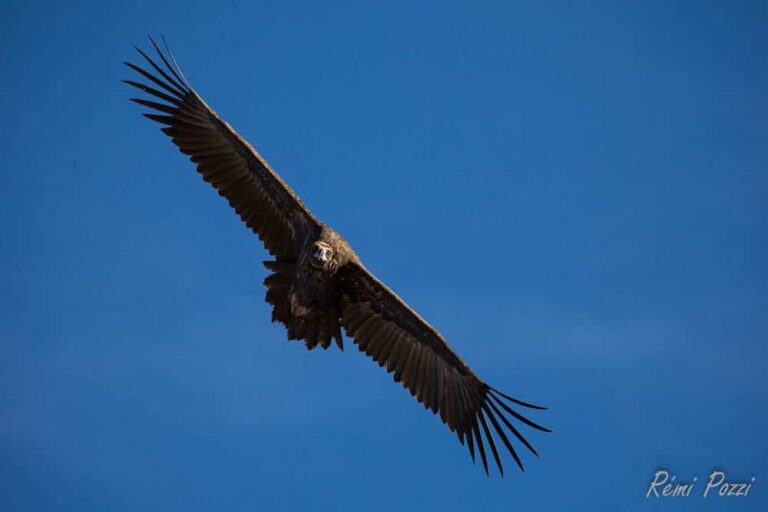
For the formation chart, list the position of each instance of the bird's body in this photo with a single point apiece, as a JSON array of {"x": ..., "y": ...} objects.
[
  {"x": 318, "y": 285},
  {"x": 305, "y": 295}
]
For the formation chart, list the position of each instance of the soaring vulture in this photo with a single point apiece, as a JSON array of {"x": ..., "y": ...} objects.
[{"x": 317, "y": 283}]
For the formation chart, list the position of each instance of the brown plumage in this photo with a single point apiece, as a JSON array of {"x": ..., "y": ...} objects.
[{"x": 318, "y": 284}]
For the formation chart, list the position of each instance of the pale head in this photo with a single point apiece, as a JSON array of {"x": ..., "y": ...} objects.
[{"x": 321, "y": 254}]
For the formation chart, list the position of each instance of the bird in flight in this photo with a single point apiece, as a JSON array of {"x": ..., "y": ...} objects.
[{"x": 317, "y": 284}]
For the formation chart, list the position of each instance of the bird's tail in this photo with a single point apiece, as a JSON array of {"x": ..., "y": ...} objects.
[{"x": 318, "y": 326}]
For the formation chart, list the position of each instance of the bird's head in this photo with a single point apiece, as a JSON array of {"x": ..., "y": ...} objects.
[{"x": 321, "y": 254}]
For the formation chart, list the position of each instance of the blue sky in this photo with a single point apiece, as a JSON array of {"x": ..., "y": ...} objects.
[{"x": 598, "y": 172}]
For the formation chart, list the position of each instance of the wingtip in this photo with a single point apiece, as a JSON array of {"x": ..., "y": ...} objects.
[{"x": 518, "y": 402}]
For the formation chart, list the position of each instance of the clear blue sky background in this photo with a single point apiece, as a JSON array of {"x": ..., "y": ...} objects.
[{"x": 575, "y": 195}]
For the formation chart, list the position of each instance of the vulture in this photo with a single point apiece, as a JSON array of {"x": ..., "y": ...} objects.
[{"x": 317, "y": 285}]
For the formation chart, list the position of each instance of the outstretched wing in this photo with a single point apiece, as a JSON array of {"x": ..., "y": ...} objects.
[
  {"x": 264, "y": 202},
  {"x": 397, "y": 338}
]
